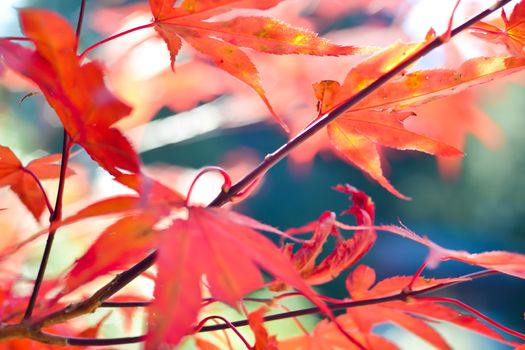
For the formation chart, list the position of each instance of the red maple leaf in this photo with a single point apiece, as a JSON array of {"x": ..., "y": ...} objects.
[
  {"x": 224, "y": 247},
  {"x": 21, "y": 179},
  {"x": 327, "y": 337},
  {"x": 77, "y": 93},
  {"x": 120, "y": 245},
  {"x": 346, "y": 251},
  {"x": 415, "y": 316},
  {"x": 153, "y": 200}
]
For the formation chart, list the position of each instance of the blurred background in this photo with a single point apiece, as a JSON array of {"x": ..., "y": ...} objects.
[{"x": 201, "y": 116}]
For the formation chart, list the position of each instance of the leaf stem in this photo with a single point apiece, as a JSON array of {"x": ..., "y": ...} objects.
[
  {"x": 55, "y": 216},
  {"x": 224, "y": 188},
  {"x": 416, "y": 276},
  {"x": 273, "y": 158},
  {"x": 475, "y": 312},
  {"x": 225, "y": 323},
  {"x": 39, "y": 184},
  {"x": 113, "y": 37}
]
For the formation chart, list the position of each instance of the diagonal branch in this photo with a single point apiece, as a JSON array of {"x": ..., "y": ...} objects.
[{"x": 273, "y": 158}]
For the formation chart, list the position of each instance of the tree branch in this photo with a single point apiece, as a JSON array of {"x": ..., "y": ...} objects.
[
  {"x": 56, "y": 215},
  {"x": 279, "y": 154},
  {"x": 82, "y": 308},
  {"x": 273, "y": 158},
  {"x": 32, "y": 329}
]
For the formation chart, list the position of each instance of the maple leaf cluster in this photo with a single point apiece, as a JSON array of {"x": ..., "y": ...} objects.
[{"x": 205, "y": 255}]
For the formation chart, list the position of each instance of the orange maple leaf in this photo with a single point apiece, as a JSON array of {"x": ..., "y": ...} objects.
[
  {"x": 77, "y": 93},
  {"x": 413, "y": 315},
  {"x": 220, "y": 40},
  {"x": 263, "y": 341},
  {"x": 451, "y": 120},
  {"x": 379, "y": 118},
  {"x": 513, "y": 33},
  {"x": 327, "y": 337}
]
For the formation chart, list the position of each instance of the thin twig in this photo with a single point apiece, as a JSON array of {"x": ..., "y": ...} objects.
[
  {"x": 56, "y": 216},
  {"x": 113, "y": 37},
  {"x": 475, "y": 312},
  {"x": 80, "y": 20},
  {"x": 125, "y": 304},
  {"x": 15, "y": 38}
]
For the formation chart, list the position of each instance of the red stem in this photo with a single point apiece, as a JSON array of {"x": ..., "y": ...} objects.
[
  {"x": 475, "y": 312},
  {"x": 446, "y": 36},
  {"x": 418, "y": 273},
  {"x": 113, "y": 37},
  {"x": 39, "y": 184},
  {"x": 226, "y": 322},
  {"x": 224, "y": 188}
]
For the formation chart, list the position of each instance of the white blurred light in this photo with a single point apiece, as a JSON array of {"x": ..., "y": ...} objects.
[
  {"x": 426, "y": 14},
  {"x": 8, "y": 16}
]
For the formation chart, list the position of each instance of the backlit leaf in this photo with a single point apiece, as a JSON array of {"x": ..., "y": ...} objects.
[
  {"x": 20, "y": 180},
  {"x": 379, "y": 119},
  {"x": 513, "y": 33},
  {"x": 220, "y": 40},
  {"x": 222, "y": 246},
  {"x": 77, "y": 93}
]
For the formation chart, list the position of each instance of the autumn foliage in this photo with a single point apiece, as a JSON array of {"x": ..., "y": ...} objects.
[{"x": 198, "y": 256}]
